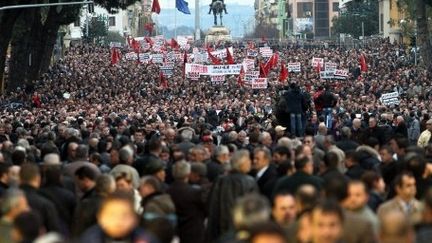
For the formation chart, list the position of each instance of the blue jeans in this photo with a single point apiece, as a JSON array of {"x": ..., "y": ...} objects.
[
  {"x": 328, "y": 114},
  {"x": 296, "y": 124}
]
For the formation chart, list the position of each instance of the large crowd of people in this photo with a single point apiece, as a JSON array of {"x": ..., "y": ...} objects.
[{"x": 96, "y": 152}]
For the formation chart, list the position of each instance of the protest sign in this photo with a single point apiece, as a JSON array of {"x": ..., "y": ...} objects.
[
  {"x": 330, "y": 66},
  {"x": 193, "y": 75},
  {"x": 266, "y": 51},
  {"x": 326, "y": 74},
  {"x": 317, "y": 60},
  {"x": 294, "y": 67},
  {"x": 217, "y": 78},
  {"x": 167, "y": 70},
  {"x": 340, "y": 74},
  {"x": 259, "y": 83},
  {"x": 157, "y": 58},
  {"x": 389, "y": 99},
  {"x": 248, "y": 64}
]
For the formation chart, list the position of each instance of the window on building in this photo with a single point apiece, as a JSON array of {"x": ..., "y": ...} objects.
[
  {"x": 111, "y": 21},
  {"x": 304, "y": 10},
  {"x": 335, "y": 7},
  {"x": 77, "y": 22}
]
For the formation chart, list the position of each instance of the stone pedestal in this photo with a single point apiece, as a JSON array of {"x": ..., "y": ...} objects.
[{"x": 218, "y": 33}]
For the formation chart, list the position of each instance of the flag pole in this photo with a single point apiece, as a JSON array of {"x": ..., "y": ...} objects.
[{"x": 175, "y": 23}]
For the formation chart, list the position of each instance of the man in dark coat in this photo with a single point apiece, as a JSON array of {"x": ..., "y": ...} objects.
[
  {"x": 225, "y": 192},
  {"x": 189, "y": 205},
  {"x": 295, "y": 103},
  {"x": 328, "y": 101},
  {"x": 302, "y": 176},
  {"x": 30, "y": 182},
  {"x": 265, "y": 172},
  {"x": 215, "y": 167},
  {"x": 155, "y": 148}
]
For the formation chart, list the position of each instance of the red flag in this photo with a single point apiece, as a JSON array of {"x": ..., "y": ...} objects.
[
  {"x": 174, "y": 44},
  {"x": 115, "y": 57},
  {"x": 275, "y": 59},
  {"x": 149, "y": 27},
  {"x": 363, "y": 65},
  {"x": 263, "y": 71},
  {"x": 163, "y": 80},
  {"x": 240, "y": 77},
  {"x": 283, "y": 73},
  {"x": 148, "y": 40},
  {"x": 318, "y": 67},
  {"x": 156, "y": 7},
  {"x": 184, "y": 64},
  {"x": 135, "y": 45},
  {"x": 229, "y": 57},
  {"x": 214, "y": 59}
]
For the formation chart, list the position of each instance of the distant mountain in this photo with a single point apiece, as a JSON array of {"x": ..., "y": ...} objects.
[{"x": 239, "y": 19}]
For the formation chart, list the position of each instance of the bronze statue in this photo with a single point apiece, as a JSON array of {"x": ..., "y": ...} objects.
[{"x": 217, "y": 6}]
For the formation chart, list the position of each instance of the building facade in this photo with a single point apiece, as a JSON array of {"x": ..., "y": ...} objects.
[
  {"x": 391, "y": 18},
  {"x": 304, "y": 17}
]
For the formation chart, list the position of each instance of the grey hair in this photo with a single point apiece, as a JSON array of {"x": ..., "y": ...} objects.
[
  {"x": 103, "y": 184},
  {"x": 263, "y": 135},
  {"x": 237, "y": 159},
  {"x": 285, "y": 142},
  {"x": 51, "y": 159},
  {"x": 82, "y": 152},
  {"x": 221, "y": 149},
  {"x": 10, "y": 198},
  {"x": 181, "y": 170},
  {"x": 125, "y": 153},
  {"x": 250, "y": 210},
  {"x": 186, "y": 135}
]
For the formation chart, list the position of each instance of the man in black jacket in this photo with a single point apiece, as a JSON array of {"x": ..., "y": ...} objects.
[
  {"x": 30, "y": 182},
  {"x": 328, "y": 101},
  {"x": 265, "y": 172},
  {"x": 295, "y": 104}
]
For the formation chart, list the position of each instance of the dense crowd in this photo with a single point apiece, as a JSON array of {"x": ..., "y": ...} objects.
[{"x": 96, "y": 152}]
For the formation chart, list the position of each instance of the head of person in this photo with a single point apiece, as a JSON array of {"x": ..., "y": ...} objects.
[
  {"x": 155, "y": 146},
  {"x": 149, "y": 185},
  {"x": 250, "y": 210},
  {"x": 395, "y": 228},
  {"x": 241, "y": 162},
  {"x": 265, "y": 139},
  {"x": 181, "y": 171},
  {"x": 374, "y": 182},
  {"x": 429, "y": 125},
  {"x": 116, "y": 215},
  {"x": 356, "y": 123},
  {"x": 267, "y": 232},
  {"x": 155, "y": 167},
  {"x": 124, "y": 181},
  {"x": 261, "y": 158},
  {"x": 386, "y": 154},
  {"x": 399, "y": 145},
  {"x": 71, "y": 151},
  {"x": 4, "y": 173},
  {"x": 372, "y": 122},
  {"x": 23, "y": 231},
  {"x": 352, "y": 158},
  {"x": 405, "y": 186},
  {"x": 30, "y": 175},
  {"x": 82, "y": 152},
  {"x": 281, "y": 154},
  {"x": 306, "y": 197},
  {"x": 304, "y": 164},
  {"x": 357, "y": 196},
  {"x": 85, "y": 178},
  {"x": 309, "y": 140},
  {"x": 14, "y": 202},
  {"x": 222, "y": 154},
  {"x": 327, "y": 222},
  {"x": 284, "y": 209},
  {"x": 126, "y": 155},
  {"x": 198, "y": 172},
  {"x": 105, "y": 185}
]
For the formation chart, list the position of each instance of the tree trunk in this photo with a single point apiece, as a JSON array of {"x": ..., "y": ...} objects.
[
  {"x": 24, "y": 44},
  {"x": 423, "y": 34},
  {"x": 7, "y": 23}
]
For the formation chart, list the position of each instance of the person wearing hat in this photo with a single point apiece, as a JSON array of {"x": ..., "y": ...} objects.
[
  {"x": 280, "y": 131},
  {"x": 156, "y": 168}
]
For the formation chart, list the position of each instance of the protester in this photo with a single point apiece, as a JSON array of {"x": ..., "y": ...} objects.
[{"x": 200, "y": 145}]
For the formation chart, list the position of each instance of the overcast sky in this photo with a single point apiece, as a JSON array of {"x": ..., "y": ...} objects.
[{"x": 171, "y": 3}]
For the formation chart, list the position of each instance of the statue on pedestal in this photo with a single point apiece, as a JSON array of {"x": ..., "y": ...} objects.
[{"x": 217, "y": 6}]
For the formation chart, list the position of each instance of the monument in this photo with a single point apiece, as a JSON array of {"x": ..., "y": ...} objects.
[{"x": 219, "y": 32}]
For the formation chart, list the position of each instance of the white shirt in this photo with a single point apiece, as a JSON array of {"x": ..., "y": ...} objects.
[{"x": 261, "y": 172}]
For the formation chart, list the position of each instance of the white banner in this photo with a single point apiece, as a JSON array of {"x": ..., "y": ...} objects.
[
  {"x": 248, "y": 64},
  {"x": 252, "y": 53},
  {"x": 390, "y": 98},
  {"x": 326, "y": 74},
  {"x": 266, "y": 51},
  {"x": 294, "y": 67},
  {"x": 157, "y": 58},
  {"x": 214, "y": 69},
  {"x": 251, "y": 75},
  {"x": 259, "y": 83},
  {"x": 222, "y": 53},
  {"x": 131, "y": 56},
  {"x": 193, "y": 75},
  {"x": 217, "y": 78},
  {"x": 167, "y": 70},
  {"x": 330, "y": 66},
  {"x": 317, "y": 60},
  {"x": 144, "y": 57},
  {"x": 341, "y": 74},
  {"x": 115, "y": 44}
]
